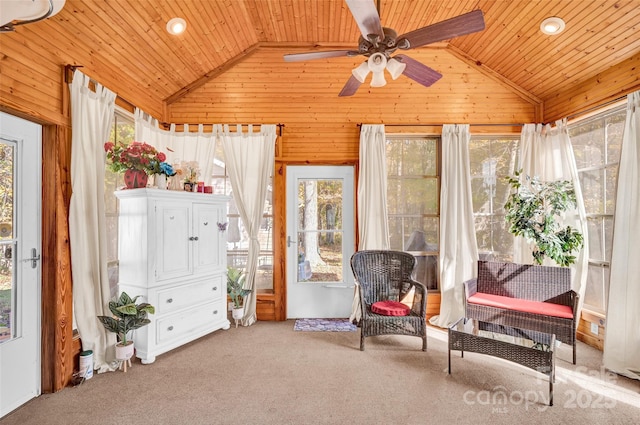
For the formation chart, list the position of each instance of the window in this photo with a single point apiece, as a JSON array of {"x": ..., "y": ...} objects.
[
  {"x": 596, "y": 145},
  {"x": 237, "y": 237},
  {"x": 492, "y": 158},
  {"x": 413, "y": 202},
  {"x": 122, "y": 131}
]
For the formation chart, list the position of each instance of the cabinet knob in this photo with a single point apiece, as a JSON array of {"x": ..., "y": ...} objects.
[
  {"x": 215, "y": 311},
  {"x": 206, "y": 223},
  {"x": 169, "y": 300},
  {"x": 170, "y": 328},
  {"x": 195, "y": 238},
  {"x": 215, "y": 288},
  {"x": 171, "y": 217}
]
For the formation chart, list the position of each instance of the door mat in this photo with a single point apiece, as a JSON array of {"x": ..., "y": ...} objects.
[{"x": 324, "y": 325}]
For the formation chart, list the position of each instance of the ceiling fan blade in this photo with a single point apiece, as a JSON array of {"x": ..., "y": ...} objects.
[
  {"x": 351, "y": 87},
  {"x": 366, "y": 16},
  {"x": 297, "y": 57},
  {"x": 418, "y": 72},
  {"x": 460, "y": 25}
]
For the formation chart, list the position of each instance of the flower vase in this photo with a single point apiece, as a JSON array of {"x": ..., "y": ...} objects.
[
  {"x": 161, "y": 181},
  {"x": 134, "y": 179}
]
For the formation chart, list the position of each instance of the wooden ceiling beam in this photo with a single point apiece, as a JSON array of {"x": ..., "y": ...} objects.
[
  {"x": 246, "y": 53},
  {"x": 485, "y": 70}
]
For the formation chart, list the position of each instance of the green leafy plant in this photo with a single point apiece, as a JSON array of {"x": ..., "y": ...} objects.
[
  {"x": 533, "y": 210},
  {"x": 235, "y": 283},
  {"x": 127, "y": 316}
]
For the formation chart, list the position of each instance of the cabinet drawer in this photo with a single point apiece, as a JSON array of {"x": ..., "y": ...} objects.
[
  {"x": 181, "y": 325},
  {"x": 178, "y": 297}
]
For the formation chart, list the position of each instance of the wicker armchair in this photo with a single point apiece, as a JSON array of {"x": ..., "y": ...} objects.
[{"x": 387, "y": 275}]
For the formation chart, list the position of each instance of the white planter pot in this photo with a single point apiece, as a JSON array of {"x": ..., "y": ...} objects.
[
  {"x": 124, "y": 352},
  {"x": 237, "y": 313}
]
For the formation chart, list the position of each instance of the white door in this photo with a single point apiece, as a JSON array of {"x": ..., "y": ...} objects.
[
  {"x": 20, "y": 187},
  {"x": 320, "y": 240}
]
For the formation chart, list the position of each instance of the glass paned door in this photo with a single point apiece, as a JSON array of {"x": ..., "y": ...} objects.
[
  {"x": 320, "y": 240},
  {"x": 7, "y": 241},
  {"x": 20, "y": 224}
]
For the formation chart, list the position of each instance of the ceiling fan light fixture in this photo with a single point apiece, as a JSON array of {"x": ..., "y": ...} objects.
[
  {"x": 552, "y": 25},
  {"x": 378, "y": 80},
  {"x": 176, "y": 26},
  {"x": 377, "y": 62},
  {"x": 361, "y": 71},
  {"x": 395, "y": 68}
]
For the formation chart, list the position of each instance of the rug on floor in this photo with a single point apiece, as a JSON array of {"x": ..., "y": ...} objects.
[{"x": 324, "y": 325}]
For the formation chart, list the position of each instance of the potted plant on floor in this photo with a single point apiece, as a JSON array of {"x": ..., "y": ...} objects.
[
  {"x": 127, "y": 316},
  {"x": 235, "y": 290},
  {"x": 533, "y": 211}
]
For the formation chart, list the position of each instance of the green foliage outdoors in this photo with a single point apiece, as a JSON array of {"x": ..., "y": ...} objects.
[
  {"x": 533, "y": 210},
  {"x": 127, "y": 316},
  {"x": 235, "y": 283}
]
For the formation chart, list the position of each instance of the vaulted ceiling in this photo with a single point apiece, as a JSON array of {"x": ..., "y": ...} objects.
[{"x": 221, "y": 33}]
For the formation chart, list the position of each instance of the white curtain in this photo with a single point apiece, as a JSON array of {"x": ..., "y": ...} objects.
[
  {"x": 373, "y": 226},
  {"x": 179, "y": 146},
  {"x": 458, "y": 247},
  {"x": 91, "y": 117},
  {"x": 622, "y": 339},
  {"x": 546, "y": 152},
  {"x": 250, "y": 158}
]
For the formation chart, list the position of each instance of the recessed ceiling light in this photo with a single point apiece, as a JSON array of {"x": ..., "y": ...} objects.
[
  {"x": 176, "y": 26},
  {"x": 552, "y": 26}
]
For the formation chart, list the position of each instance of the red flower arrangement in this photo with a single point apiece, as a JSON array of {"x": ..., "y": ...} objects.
[{"x": 135, "y": 156}]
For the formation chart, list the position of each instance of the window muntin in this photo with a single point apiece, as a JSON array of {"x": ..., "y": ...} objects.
[
  {"x": 596, "y": 143},
  {"x": 491, "y": 160},
  {"x": 413, "y": 197}
]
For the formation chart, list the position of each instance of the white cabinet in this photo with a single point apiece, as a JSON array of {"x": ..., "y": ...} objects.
[{"x": 172, "y": 253}]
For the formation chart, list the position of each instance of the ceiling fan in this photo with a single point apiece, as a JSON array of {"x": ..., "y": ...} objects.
[{"x": 378, "y": 43}]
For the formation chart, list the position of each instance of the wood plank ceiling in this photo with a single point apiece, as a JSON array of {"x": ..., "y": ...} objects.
[{"x": 598, "y": 35}]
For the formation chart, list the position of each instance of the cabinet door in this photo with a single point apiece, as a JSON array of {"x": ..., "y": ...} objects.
[
  {"x": 209, "y": 248},
  {"x": 174, "y": 248}
]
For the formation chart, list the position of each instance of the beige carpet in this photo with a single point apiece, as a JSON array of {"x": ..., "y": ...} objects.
[{"x": 270, "y": 374}]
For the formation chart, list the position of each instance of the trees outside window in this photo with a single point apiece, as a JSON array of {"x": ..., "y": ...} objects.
[
  {"x": 122, "y": 132},
  {"x": 492, "y": 159},
  {"x": 413, "y": 202},
  {"x": 596, "y": 145}
]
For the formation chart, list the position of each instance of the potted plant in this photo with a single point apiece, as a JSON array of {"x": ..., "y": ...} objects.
[
  {"x": 235, "y": 290},
  {"x": 136, "y": 160},
  {"x": 533, "y": 210},
  {"x": 127, "y": 316}
]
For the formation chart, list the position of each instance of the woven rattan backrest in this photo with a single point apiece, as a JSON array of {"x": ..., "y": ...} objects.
[
  {"x": 383, "y": 275},
  {"x": 536, "y": 283}
]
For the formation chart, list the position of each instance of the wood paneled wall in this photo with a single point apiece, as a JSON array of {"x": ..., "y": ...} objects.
[{"x": 319, "y": 128}]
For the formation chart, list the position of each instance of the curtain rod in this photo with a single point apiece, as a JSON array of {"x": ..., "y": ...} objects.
[
  {"x": 440, "y": 125},
  {"x": 279, "y": 125}
]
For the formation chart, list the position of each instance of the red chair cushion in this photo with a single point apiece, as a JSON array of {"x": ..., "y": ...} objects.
[
  {"x": 527, "y": 306},
  {"x": 390, "y": 308}
]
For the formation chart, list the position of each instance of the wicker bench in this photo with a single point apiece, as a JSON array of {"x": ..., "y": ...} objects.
[{"x": 534, "y": 298}]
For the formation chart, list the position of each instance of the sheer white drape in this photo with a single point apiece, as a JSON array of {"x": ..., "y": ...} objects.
[
  {"x": 458, "y": 247},
  {"x": 249, "y": 158},
  {"x": 622, "y": 339},
  {"x": 179, "y": 146},
  {"x": 546, "y": 152},
  {"x": 91, "y": 117},
  {"x": 373, "y": 226}
]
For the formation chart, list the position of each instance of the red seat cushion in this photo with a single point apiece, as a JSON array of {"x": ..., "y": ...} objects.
[
  {"x": 390, "y": 308},
  {"x": 508, "y": 303}
]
